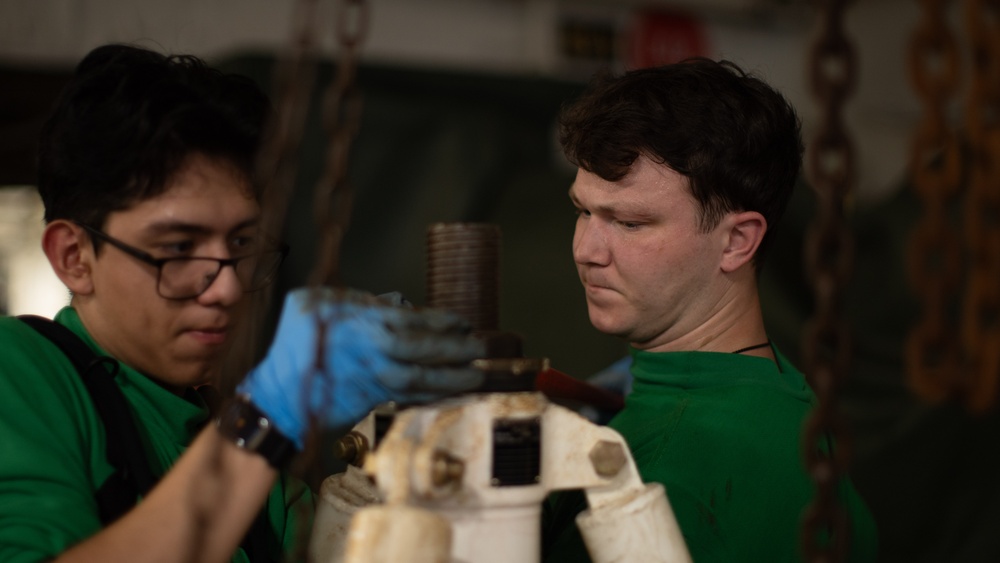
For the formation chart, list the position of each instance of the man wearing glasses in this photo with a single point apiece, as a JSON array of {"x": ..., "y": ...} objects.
[{"x": 154, "y": 227}]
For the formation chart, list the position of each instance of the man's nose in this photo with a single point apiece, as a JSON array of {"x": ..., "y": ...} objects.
[
  {"x": 590, "y": 243},
  {"x": 226, "y": 289}
]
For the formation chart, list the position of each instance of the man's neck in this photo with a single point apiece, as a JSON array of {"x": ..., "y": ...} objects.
[{"x": 735, "y": 324}]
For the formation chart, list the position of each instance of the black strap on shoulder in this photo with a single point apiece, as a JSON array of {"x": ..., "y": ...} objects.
[
  {"x": 132, "y": 477},
  {"x": 125, "y": 452}
]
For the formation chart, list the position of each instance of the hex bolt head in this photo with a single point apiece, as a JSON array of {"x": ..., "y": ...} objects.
[
  {"x": 352, "y": 448},
  {"x": 608, "y": 458},
  {"x": 445, "y": 469}
]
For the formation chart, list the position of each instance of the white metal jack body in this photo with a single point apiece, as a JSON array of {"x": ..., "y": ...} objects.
[{"x": 463, "y": 481}]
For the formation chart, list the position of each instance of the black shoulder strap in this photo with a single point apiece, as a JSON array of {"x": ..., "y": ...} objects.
[
  {"x": 133, "y": 477},
  {"x": 125, "y": 452}
]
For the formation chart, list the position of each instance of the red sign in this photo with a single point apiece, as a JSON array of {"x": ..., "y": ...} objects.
[{"x": 658, "y": 38}]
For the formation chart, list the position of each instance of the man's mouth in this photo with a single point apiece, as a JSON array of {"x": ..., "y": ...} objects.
[
  {"x": 209, "y": 335},
  {"x": 594, "y": 284},
  {"x": 597, "y": 291}
]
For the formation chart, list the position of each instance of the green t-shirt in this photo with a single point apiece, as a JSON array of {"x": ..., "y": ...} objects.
[
  {"x": 723, "y": 433},
  {"x": 52, "y": 447}
]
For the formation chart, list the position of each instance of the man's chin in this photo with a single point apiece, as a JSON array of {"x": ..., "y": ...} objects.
[
  {"x": 192, "y": 372},
  {"x": 608, "y": 324}
]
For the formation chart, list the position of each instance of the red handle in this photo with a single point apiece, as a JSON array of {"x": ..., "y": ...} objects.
[{"x": 557, "y": 385}]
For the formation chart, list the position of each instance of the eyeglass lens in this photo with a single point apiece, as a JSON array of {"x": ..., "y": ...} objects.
[{"x": 189, "y": 277}]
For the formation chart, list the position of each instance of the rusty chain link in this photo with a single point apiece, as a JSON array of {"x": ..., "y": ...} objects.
[
  {"x": 829, "y": 259},
  {"x": 954, "y": 351},
  {"x": 277, "y": 166},
  {"x": 342, "y": 106},
  {"x": 341, "y": 113},
  {"x": 341, "y": 117},
  {"x": 932, "y": 354},
  {"x": 275, "y": 171},
  {"x": 293, "y": 80},
  {"x": 981, "y": 312},
  {"x": 277, "y": 162},
  {"x": 332, "y": 195}
]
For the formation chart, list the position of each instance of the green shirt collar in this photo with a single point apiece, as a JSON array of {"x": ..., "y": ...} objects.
[
  {"x": 697, "y": 370},
  {"x": 179, "y": 417}
]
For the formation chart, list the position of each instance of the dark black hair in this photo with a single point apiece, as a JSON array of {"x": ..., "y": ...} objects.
[
  {"x": 736, "y": 139},
  {"x": 127, "y": 121}
]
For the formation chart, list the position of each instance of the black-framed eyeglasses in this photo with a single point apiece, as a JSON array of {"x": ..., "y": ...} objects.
[{"x": 188, "y": 277}]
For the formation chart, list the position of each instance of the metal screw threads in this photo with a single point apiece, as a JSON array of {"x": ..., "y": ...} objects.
[{"x": 463, "y": 271}]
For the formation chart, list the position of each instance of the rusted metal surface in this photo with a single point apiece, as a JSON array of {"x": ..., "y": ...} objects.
[
  {"x": 933, "y": 353},
  {"x": 294, "y": 77},
  {"x": 980, "y": 327},
  {"x": 332, "y": 192},
  {"x": 275, "y": 171},
  {"x": 277, "y": 167},
  {"x": 829, "y": 259},
  {"x": 277, "y": 160},
  {"x": 342, "y": 107},
  {"x": 517, "y": 405},
  {"x": 953, "y": 353}
]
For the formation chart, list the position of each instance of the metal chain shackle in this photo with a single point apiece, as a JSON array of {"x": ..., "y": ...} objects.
[
  {"x": 981, "y": 313},
  {"x": 829, "y": 259},
  {"x": 932, "y": 351}
]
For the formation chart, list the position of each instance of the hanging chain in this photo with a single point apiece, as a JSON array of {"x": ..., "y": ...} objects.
[
  {"x": 342, "y": 106},
  {"x": 932, "y": 354},
  {"x": 341, "y": 113},
  {"x": 981, "y": 314},
  {"x": 275, "y": 171},
  {"x": 293, "y": 80},
  {"x": 829, "y": 258}
]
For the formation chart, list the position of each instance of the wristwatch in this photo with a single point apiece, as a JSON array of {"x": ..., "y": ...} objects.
[{"x": 250, "y": 429}]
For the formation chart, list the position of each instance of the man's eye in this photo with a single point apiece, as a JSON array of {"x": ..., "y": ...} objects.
[
  {"x": 582, "y": 212},
  {"x": 178, "y": 247},
  {"x": 244, "y": 242},
  {"x": 629, "y": 225}
]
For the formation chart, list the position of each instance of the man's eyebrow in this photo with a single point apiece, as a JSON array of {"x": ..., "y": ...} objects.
[
  {"x": 637, "y": 211},
  {"x": 170, "y": 227},
  {"x": 251, "y": 222}
]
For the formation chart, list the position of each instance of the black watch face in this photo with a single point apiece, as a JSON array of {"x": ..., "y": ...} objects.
[{"x": 250, "y": 429}]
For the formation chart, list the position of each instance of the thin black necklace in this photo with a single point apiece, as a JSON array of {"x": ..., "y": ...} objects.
[{"x": 754, "y": 347}]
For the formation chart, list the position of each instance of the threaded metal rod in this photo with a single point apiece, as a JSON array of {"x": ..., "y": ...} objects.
[{"x": 463, "y": 271}]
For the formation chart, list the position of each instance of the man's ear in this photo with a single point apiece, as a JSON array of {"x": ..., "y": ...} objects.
[
  {"x": 70, "y": 254},
  {"x": 745, "y": 230}
]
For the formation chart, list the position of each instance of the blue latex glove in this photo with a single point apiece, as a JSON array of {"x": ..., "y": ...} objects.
[{"x": 372, "y": 352}]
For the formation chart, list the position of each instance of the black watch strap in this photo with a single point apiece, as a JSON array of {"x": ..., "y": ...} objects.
[{"x": 249, "y": 428}]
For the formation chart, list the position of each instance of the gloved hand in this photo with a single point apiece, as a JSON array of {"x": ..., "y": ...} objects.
[{"x": 338, "y": 353}]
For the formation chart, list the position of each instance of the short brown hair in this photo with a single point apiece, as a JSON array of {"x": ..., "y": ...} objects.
[{"x": 736, "y": 139}]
